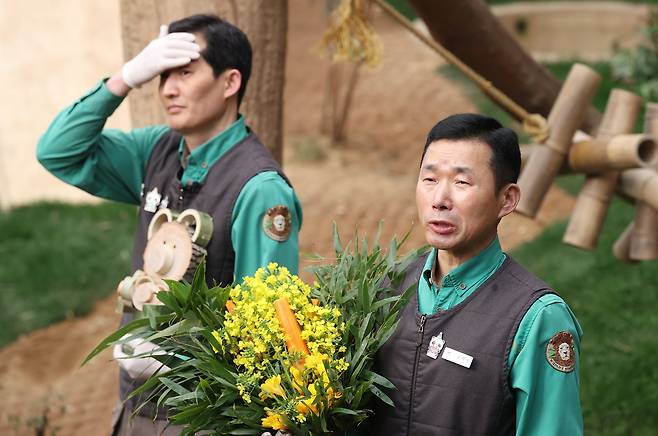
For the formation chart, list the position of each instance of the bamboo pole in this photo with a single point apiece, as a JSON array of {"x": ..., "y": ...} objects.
[
  {"x": 566, "y": 116},
  {"x": 640, "y": 184},
  {"x": 619, "y": 153},
  {"x": 622, "y": 246},
  {"x": 644, "y": 238},
  {"x": 594, "y": 198}
]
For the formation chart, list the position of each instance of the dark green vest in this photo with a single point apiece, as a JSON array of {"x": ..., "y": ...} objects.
[{"x": 437, "y": 396}]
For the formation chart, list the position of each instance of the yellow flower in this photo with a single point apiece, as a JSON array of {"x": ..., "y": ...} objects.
[
  {"x": 331, "y": 395},
  {"x": 274, "y": 420},
  {"x": 271, "y": 388},
  {"x": 253, "y": 336},
  {"x": 306, "y": 405},
  {"x": 297, "y": 381}
]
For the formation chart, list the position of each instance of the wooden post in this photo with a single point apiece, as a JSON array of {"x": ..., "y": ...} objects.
[
  {"x": 566, "y": 116},
  {"x": 265, "y": 22},
  {"x": 594, "y": 198}
]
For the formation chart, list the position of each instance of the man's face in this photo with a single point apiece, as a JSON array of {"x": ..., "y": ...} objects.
[
  {"x": 456, "y": 197},
  {"x": 192, "y": 97}
]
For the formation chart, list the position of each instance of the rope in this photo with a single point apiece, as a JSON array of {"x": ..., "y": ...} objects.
[{"x": 350, "y": 32}]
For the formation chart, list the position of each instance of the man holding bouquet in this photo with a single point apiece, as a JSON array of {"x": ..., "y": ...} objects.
[
  {"x": 205, "y": 158},
  {"x": 483, "y": 346}
]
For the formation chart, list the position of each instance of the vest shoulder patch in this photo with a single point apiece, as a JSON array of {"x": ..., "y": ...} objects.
[
  {"x": 560, "y": 352},
  {"x": 277, "y": 223}
]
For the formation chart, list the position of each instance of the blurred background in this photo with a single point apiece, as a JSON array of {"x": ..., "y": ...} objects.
[{"x": 350, "y": 140}]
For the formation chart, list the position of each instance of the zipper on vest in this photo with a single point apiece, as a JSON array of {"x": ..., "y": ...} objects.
[{"x": 419, "y": 342}]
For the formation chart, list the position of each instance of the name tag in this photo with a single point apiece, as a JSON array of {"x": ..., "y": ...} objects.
[{"x": 454, "y": 356}]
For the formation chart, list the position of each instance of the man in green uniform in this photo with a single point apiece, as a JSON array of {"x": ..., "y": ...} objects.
[
  {"x": 483, "y": 347},
  {"x": 205, "y": 158}
]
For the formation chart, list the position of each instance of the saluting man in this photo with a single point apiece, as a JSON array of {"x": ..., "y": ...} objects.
[
  {"x": 205, "y": 158},
  {"x": 483, "y": 346}
]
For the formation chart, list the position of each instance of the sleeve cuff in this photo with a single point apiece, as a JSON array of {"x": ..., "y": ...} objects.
[{"x": 102, "y": 100}]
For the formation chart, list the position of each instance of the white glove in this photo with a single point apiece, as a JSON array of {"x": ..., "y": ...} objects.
[
  {"x": 169, "y": 50},
  {"x": 142, "y": 366}
]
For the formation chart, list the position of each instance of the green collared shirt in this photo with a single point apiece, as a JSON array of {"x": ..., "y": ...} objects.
[
  {"x": 110, "y": 163},
  {"x": 547, "y": 400},
  {"x": 459, "y": 283},
  {"x": 198, "y": 162}
]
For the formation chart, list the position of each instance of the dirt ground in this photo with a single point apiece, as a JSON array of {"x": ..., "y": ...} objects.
[{"x": 43, "y": 389}]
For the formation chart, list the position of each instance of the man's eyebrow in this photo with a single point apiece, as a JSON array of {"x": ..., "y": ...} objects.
[{"x": 459, "y": 169}]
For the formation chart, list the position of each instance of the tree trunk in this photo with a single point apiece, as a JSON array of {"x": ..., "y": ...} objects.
[
  {"x": 471, "y": 32},
  {"x": 264, "y": 21}
]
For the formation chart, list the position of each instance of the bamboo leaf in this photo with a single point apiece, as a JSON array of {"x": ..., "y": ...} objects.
[
  {"x": 199, "y": 280},
  {"x": 180, "y": 390},
  {"x": 182, "y": 417},
  {"x": 178, "y": 328},
  {"x": 378, "y": 379},
  {"x": 343, "y": 411},
  {"x": 365, "y": 324},
  {"x": 169, "y": 300},
  {"x": 381, "y": 395},
  {"x": 185, "y": 398},
  {"x": 358, "y": 395},
  {"x": 386, "y": 301}
]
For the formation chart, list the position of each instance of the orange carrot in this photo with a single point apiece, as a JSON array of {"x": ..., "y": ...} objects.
[{"x": 290, "y": 327}]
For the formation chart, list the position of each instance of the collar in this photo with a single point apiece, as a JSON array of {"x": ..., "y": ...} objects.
[
  {"x": 470, "y": 273},
  {"x": 198, "y": 162}
]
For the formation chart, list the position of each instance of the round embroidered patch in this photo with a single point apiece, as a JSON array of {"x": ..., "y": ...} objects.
[
  {"x": 277, "y": 223},
  {"x": 560, "y": 352}
]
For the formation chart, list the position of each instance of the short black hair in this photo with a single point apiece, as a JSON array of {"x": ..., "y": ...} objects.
[
  {"x": 226, "y": 45},
  {"x": 505, "y": 153}
]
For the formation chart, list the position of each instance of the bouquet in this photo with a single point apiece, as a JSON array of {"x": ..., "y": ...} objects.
[{"x": 274, "y": 353}]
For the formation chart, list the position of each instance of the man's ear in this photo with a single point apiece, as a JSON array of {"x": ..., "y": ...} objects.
[
  {"x": 509, "y": 198},
  {"x": 232, "y": 82}
]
